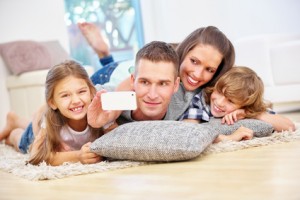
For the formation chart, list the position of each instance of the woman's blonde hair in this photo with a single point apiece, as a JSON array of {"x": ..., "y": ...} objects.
[
  {"x": 243, "y": 87},
  {"x": 53, "y": 118}
]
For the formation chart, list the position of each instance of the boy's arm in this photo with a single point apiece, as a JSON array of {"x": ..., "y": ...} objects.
[
  {"x": 241, "y": 133},
  {"x": 279, "y": 122},
  {"x": 191, "y": 121}
]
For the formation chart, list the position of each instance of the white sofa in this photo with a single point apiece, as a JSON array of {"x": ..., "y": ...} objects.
[{"x": 276, "y": 59}]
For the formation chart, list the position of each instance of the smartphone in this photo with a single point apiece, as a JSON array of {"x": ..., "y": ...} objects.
[{"x": 123, "y": 100}]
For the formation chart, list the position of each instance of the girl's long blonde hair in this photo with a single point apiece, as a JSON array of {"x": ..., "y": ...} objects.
[
  {"x": 53, "y": 118},
  {"x": 243, "y": 87}
]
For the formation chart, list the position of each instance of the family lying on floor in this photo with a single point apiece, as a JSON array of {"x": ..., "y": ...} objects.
[{"x": 194, "y": 83}]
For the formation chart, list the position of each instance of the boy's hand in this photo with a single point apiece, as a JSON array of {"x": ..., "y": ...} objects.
[
  {"x": 241, "y": 133},
  {"x": 234, "y": 116}
]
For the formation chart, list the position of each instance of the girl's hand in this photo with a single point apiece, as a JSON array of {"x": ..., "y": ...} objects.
[
  {"x": 234, "y": 116},
  {"x": 88, "y": 157},
  {"x": 96, "y": 116}
]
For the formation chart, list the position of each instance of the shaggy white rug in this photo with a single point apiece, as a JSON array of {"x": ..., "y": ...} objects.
[{"x": 14, "y": 162}]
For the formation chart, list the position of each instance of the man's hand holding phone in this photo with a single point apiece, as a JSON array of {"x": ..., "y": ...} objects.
[
  {"x": 107, "y": 107},
  {"x": 122, "y": 100},
  {"x": 96, "y": 116}
]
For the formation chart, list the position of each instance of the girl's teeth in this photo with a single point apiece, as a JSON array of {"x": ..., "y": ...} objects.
[{"x": 75, "y": 109}]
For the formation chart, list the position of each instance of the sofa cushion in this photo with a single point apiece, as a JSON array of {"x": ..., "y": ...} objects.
[
  {"x": 285, "y": 58},
  {"x": 24, "y": 56},
  {"x": 254, "y": 53}
]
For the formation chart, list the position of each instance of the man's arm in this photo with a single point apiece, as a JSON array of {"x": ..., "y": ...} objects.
[{"x": 97, "y": 117}]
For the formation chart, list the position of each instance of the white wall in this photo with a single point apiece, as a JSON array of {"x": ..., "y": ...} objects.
[
  {"x": 39, "y": 20},
  {"x": 167, "y": 20},
  {"x": 173, "y": 20}
]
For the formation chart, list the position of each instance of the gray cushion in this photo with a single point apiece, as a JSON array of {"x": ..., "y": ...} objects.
[
  {"x": 155, "y": 141},
  {"x": 168, "y": 140},
  {"x": 260, "y": 128}
]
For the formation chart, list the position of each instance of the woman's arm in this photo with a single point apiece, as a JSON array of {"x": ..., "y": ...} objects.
[
  {"x": 279, "y": 122},
  {"x": 125, "y": 85}
]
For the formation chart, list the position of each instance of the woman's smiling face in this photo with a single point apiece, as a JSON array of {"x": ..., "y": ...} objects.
[{"x": 199, "y": 66}]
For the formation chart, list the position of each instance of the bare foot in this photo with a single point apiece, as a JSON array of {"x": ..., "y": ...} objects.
[
  {"x": 13, "y": 121},
  {"x": 93, "y": 35},
  {"x": 10, "y": 125}
]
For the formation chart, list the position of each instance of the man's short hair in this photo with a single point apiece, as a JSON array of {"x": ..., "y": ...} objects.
[{"x": 158, "y": 51}]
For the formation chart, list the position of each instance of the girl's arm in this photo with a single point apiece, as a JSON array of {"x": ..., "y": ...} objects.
[
  {"x": 279, "y": 122},
  {"x": 57, "y": 158},
  {"x": 84, "y": 155}
]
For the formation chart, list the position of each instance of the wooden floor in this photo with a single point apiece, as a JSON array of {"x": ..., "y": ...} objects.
[{"x": 270, "y": 172}]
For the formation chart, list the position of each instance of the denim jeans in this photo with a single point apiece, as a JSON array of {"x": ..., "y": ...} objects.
[{"x": 26, "y": 139}]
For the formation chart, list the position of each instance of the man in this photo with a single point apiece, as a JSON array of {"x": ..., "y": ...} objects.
[{"x": 155, "y": 80}]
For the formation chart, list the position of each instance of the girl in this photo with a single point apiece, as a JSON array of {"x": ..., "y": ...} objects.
[
  {"x": 64, "y": 135},
  {"x": 238, "y": 94}
]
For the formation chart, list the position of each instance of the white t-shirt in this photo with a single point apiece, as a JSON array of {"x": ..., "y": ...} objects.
[{"x": 74, "y": 140}]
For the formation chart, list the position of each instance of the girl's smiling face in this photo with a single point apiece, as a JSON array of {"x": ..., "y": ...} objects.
[
  {"x": 199, "y": 66},
  {"x": 71, "y": 97}
]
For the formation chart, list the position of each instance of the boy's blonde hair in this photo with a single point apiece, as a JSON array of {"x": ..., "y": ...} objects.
[{"x": 243, "y": 87}]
